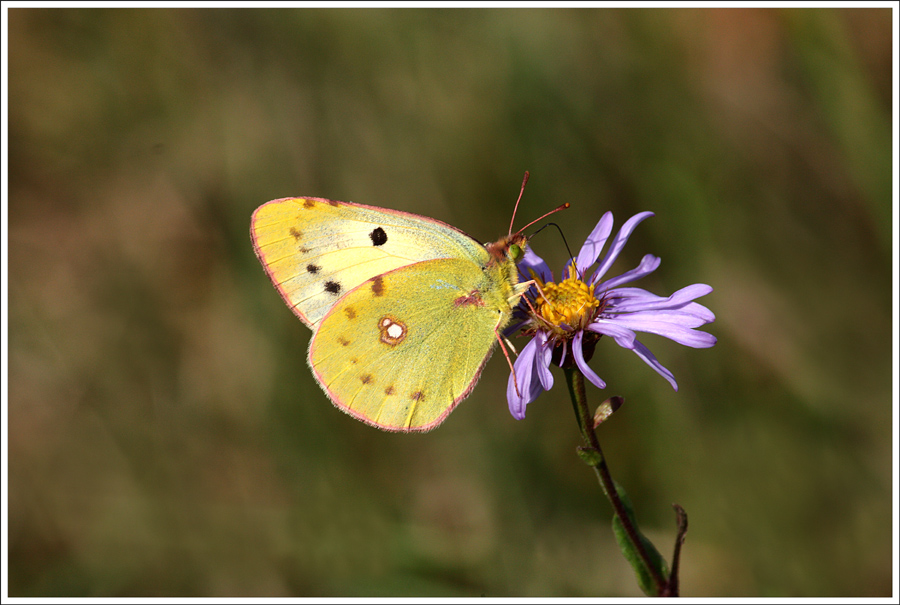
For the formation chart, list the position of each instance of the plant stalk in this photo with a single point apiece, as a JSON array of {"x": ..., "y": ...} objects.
[{"x": 575, "y": 381}]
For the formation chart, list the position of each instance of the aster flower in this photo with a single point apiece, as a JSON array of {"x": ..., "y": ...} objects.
[{"x": 567, "y": 318}]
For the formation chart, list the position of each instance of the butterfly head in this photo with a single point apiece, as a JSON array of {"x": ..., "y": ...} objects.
[
  {"x": 508, "y": 248},
  {"x": 512, "y": 247}
]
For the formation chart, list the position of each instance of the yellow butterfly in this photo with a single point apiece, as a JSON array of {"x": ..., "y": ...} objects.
[{"x": 405, "y": 309}]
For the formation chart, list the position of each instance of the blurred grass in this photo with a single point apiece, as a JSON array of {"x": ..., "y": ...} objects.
[{"x": 166, "y": 436}]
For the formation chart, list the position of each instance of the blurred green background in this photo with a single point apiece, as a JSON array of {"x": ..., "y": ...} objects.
[{"x": 166, "y": 436}]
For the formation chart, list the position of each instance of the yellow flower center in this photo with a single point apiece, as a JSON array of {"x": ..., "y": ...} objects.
[{"x": 569, "y": 302}]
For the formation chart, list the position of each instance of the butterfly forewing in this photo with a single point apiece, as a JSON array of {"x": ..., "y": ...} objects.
[{"x": 317, "y": 250}]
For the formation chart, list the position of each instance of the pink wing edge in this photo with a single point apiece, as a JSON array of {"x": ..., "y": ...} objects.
[{"x": 392, "y": 428}]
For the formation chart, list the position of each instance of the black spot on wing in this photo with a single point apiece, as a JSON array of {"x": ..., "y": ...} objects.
[
  {"x": 378, "y": 237},
  {"x": 313, "y": 268},
  {"x": 333, "y": 287}
]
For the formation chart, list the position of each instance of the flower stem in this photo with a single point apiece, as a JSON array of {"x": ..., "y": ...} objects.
[{"x": 575, "y": 381}]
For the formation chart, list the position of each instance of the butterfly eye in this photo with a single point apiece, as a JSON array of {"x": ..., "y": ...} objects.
[{"x": 515, "y": 252}]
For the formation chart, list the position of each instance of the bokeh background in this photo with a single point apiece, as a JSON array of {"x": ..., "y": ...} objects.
[{"x": 166, "y": 436}]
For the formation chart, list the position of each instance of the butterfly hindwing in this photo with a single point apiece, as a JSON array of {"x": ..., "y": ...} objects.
[
  {"x": 402, "y": 349},
  {"x": 316, "y": 250}
]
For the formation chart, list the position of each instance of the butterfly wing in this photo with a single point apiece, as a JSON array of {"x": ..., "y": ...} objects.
[
  {"x": 403, "y": 349},
  {"x": 316, "y": 250}
]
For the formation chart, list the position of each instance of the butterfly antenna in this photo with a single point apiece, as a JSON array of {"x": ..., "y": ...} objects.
[
  {"x": 554, "y": 211},
  {"x": 561, "y": 234},
  {"x": 521, "y": 191}
]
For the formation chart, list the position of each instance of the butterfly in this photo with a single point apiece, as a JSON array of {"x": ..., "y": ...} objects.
[{"x": 405, "y": 309}]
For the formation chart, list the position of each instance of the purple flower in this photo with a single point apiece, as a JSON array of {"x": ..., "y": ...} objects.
[{"x": 566, "y": 319}]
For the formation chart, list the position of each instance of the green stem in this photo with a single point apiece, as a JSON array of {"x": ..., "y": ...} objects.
[{"x": 575, "y": 381}]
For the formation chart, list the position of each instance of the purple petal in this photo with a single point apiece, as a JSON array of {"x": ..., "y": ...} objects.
[
  {"x": 647, "y": 266},
  {"x": 623, "y": 336},
  {"x": 668, "y": 326},
  {"x": 513, "y": 327},
  {"x": 582, "y": 365},
  {"x": 687, "y": 319},
  {"x": 526, "y": 378},
  {"x": 535, "y": 263},
  {"x": 629, "y": 300},
  {"x": 645, "y": 354},
  {"x": 543, "y": 358},
  {"x": 594, "y": 243},
  {"x": 618, "y": 243}
]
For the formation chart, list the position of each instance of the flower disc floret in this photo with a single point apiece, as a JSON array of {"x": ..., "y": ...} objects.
[{"x": 569, "y": 304}]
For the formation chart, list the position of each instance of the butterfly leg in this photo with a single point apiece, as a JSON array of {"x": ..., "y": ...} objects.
[{"x": 508, "y": 360}]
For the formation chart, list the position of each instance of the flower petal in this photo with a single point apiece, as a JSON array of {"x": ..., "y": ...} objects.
[
  {"x": 629, "y": 300},
  {"x": 525, "y": 377},
  {"x": 514, "y": 327},
  {"x": 542, "y": 361},
  {"x": 594, "y": 243},
  {"x": 645, "y": 354},
  {"x": 623, "y": 336},
  {"x": 618, "y": 243},
  {"x": 578, "y": 354},
  {"x": 665, "y": 325},
  {"x": 647, "y": 266},
  {"x": 535, "y": 263},
  {"x": 685, "y": 318}
]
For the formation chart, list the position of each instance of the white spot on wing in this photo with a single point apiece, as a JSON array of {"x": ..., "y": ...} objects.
[{"x": 392, "y": 330}]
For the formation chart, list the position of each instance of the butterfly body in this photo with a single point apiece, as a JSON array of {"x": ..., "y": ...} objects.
[{"x": 405, "y": 309}]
